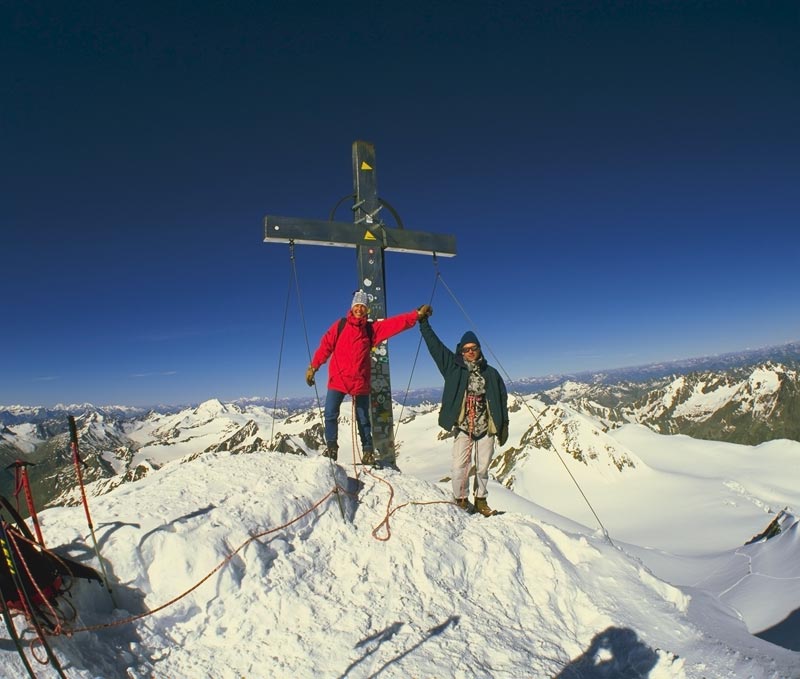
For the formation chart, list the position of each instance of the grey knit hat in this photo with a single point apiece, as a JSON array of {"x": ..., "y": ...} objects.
[{"x": 360, "y": 298}]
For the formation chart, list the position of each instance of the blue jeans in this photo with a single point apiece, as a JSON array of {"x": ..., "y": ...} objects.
[{"x": 333, "y": 403}]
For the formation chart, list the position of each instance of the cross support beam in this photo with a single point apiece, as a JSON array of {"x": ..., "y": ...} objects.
[
  {"x": 346, "y": 235},
  {"x": 371, "y": 238}
]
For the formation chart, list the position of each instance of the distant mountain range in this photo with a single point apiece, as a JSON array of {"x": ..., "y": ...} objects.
[
  {"x": 749, "y": 404},
  {"x": 790, "y": 352},
  {"x": 717, "y": 363}
]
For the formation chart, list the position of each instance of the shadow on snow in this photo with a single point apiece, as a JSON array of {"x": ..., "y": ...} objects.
[{"x": 615, "y": 653}]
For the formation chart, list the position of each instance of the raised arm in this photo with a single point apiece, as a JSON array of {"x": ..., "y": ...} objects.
[
  {"x": 388, "y": 327},
  {"x": 441, "y": 355}
]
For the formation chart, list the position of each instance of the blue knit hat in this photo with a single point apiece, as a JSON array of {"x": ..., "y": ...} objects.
[
  {"x": 360, "y": 297},
  {"x": 469, "y": 337}
]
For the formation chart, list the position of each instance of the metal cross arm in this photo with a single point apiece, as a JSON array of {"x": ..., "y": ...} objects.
[{"x": 349, "y": 235}]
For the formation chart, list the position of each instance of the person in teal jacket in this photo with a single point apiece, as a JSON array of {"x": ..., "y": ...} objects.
[{"x": 474, "y": 408}]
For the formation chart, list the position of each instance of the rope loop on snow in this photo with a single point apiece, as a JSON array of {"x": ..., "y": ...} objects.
[
  {"x": 60, "y": 630},
  {"x": 253, "y": 537},
  {"x": 358, "y": 458}
]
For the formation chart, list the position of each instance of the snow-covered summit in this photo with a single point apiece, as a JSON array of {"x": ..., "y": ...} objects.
[{"x": 404, "y": 585}]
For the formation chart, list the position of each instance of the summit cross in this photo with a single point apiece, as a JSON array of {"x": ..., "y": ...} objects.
[{"x": 371, "y": 238}]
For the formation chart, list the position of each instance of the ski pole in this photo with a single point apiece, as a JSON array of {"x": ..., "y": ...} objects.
[
  {"x": 23, "y": 482},
  {"x": 73, "y": 432}
]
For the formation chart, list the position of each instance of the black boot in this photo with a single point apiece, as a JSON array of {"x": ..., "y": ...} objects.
[
  {"x": 331, "y": 451},
  {"x": 368, "y": 456}
]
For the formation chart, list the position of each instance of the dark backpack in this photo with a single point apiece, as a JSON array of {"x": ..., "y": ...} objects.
[
  {"x": 41, "y": 572},
  {"x": 38, "y": 572}
]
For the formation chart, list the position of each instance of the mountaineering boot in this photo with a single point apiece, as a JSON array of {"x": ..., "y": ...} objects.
[
  {"x": 368, "y": 456},
  {"x": 331, "y": 451},
  {"x": 385, "y": 464},
  {"x": 463, "y": 503},
  {"x": 482, "y": 507}
]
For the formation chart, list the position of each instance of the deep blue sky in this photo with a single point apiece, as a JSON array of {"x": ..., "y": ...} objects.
[{"x": 621, "y": 178}]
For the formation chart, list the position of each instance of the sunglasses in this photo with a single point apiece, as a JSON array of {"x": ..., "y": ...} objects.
[{"x": 467, "y": 350}]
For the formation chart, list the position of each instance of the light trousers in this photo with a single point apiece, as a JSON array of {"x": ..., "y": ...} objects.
[{"x": 463, "y": 448}]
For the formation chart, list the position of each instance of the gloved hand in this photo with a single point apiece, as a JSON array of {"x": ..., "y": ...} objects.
[
  {"x": 425, "y": 311},
  {"x": 502, "y": 437},
  {"x": 310, "y": 375}
]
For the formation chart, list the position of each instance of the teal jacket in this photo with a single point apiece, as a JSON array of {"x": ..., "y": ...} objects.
[{"x": 456, "y": 375}]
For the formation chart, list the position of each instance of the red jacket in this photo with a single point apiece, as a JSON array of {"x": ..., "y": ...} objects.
[{"x": 350, "y": 369}]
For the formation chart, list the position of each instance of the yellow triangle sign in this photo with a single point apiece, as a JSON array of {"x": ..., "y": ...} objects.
[
  {"x": 365, "y": 165},
  {"x": 368, "y": 236}
]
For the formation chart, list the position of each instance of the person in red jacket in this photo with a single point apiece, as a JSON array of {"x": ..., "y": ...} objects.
[{"x": 348, "y": 343}]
